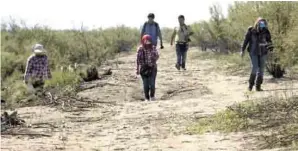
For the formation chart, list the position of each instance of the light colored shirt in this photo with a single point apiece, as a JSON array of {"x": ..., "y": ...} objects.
[{"x": 182, "y": 33}]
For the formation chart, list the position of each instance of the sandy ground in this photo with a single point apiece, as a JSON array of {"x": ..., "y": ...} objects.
[{"x": 127, "y": 123}]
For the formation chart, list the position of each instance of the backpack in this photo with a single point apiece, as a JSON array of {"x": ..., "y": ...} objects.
[{"x": 155, "y": 24}]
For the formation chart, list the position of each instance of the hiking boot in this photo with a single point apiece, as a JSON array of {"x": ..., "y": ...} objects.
[
  {"x": 183, "y": 66},
  {"x": 251, "y": 81},
  {"x": 259, "y": 82},
  {"x": 258, "y": 88},
  {"x": 177, "y": 66}
]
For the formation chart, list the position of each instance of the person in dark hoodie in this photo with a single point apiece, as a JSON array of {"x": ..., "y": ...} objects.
[{"x": 258, "y": 40}]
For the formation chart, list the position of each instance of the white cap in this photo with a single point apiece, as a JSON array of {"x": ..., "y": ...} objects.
[{"x": 38, "y": 48}]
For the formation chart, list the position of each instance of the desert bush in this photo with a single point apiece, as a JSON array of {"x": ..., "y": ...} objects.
[
  {"x": 275, "y": 118},
  {"x": 227, "y": 33},
  {"x": 64, "y": 47}
]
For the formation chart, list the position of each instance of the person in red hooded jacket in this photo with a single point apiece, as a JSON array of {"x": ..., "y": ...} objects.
[{"x": 147, "y": 56}]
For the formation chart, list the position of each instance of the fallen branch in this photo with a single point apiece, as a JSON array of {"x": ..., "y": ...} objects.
[
  {"x": 98, "y": 85},
  {"x": 29, "y": 134},
  {"x": 38, "y": 125},
  {"x": 174, "y": 92}
]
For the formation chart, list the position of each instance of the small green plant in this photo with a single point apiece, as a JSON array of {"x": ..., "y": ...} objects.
[
  {"x": 278, "y": 117},
  {"x": 64, "y": 82}
]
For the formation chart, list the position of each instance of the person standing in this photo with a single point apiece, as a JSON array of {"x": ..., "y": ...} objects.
[
  {"x": 37, "y": 68},
  {"x": 152, "y": 28},
  {"x": 181, "y": 36},
  {"x": 258, "y": 40},
  {"x": 147, "y": 56}
]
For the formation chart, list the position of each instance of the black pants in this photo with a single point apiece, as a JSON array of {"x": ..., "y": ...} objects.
[
  {"x": 149, "y": 84},
  {"x": 181, "y": 52},
  {"x": 38, "y": 84}
]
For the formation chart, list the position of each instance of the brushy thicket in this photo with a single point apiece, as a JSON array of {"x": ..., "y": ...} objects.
[
  {"x": 64, "y": 47},
  {"x": 227, "y": 33},
  {"x": 275, "y": 119}
]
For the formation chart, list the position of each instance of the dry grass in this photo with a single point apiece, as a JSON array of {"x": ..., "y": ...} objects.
[{"x": 276, "y": 119}]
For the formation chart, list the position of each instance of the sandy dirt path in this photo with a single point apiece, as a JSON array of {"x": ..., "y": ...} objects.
[{"x": 127, "y": 123}]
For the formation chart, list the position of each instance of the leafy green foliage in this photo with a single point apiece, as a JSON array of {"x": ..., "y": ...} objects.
[
  {"x": 277, "y": 117},
  {"x": 64, "y": 47},
  {"x": 227, "y": 33}
]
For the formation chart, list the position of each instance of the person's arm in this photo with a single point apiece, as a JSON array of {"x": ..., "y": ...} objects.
[
  {"x": 143, "y": 31},
  {"x": 156, "y": 54},
  {"x": 173, "y": 36},
  {"x": 246, "y": 40},
  {"x": 159, "y": 35},
  {"x": 28, "y": 71},
  {"x": 49, "y": 74},
  {"x": 190, "y": 31},
  {"x": 270, "y": 46},
  {"x": 138, "y": 60}
]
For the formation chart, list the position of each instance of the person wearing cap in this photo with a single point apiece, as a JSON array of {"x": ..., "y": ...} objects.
[
  {"x": 181, "y": 36},
  {"x": 152, "y": 28},
  {"x": 37, "y": 68},
  {"x": 147, "y": 56},
  {"x": 258, "y": 40}
]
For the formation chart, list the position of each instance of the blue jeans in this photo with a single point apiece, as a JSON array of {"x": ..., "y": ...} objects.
[
  {"x": 181, "y": 51},
  {"x": 258, "y": 64},
  {"x": 149, "y": 84}
]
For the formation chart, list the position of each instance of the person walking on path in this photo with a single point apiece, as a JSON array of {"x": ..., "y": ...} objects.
[
  {"x": 147, "y": 56},
  {"x": 152, "y": 28},
  {"x": 37, "y": 68},
  {"x": 181, "y": 36},
  {"x": 258, "y": 40}
]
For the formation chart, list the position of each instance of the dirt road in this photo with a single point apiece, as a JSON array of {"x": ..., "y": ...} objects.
[{"x": 127, "y": 123}]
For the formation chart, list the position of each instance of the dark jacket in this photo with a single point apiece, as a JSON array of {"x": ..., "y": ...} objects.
[{"x": 259, "y": 42}]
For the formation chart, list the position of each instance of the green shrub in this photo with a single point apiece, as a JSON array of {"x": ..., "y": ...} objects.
[
  {"x": 63, "y": 82},
  {"x": 276, "y": 117}
]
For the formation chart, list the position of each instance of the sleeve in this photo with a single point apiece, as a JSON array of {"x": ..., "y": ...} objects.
[
  {"x": 49, "y": 74},
  {"x": 143, "y": 30},
  {"x": 173, "y": 35},
  {"x": 246, "y": 40},
  {"x": 159, "y": 32},
  {"x": 28, "y": 71},
  {"x": 269, "y": 41},
  {"x": 156, "y": 54},
  {"x": 269, "y": 37},
  {"x": 138, "y": 58},
  {"x": 190, "y": 31}
]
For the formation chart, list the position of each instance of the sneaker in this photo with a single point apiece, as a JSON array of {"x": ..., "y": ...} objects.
[
  {"x": 177, "y": 66},
  {"x": 152, "y": 99}
]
